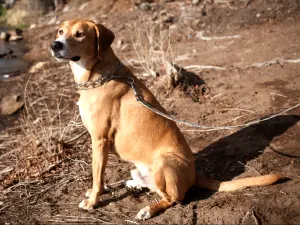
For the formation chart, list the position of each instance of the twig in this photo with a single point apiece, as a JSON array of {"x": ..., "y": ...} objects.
[
  {"x": 116, "y": 183},
  {"x": 280, "y": 61},
  {"x": 8, "y": 153},
  {"x": 244, "y": 217},
  {"x": 201, "y": 36},
  {"x": 130, "y": 221},
  {"x": 76, "y": 160},
  {"x": 81, "y": 219},
  {"x": 204, "y": 67},
  {"x": 237, "y": 109},
  {"x": 50, "y": 168},
  {"x": 257, "y": 222},
  {"x": 76, "y": 138},
  {"x": 20, "y": 184},
  {"x": 30, "y": 196},
  {"x": 6, "y": 170},
  {"x": 278, "y": 94},
  {"x": 251, "y": 168},
  {"x": 58, "y": 114}
]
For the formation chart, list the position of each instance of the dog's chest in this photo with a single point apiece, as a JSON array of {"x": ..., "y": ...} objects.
[{"x": 81, "y": 110}]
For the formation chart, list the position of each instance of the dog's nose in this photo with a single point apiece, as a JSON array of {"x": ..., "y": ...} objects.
[{"x": 56, "y": 46}]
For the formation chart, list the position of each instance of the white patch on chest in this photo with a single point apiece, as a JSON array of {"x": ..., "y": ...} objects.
[
  {"x": 78, "y": 69},
  {"x": 81, "y": 112}
]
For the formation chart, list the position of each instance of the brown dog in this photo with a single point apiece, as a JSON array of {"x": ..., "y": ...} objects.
[{"x": 118, "y": 123}]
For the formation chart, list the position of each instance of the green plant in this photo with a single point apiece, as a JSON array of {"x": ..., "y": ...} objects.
[
  {"x": 2, "y": 11},
  {"x": 22, "y": 26}
]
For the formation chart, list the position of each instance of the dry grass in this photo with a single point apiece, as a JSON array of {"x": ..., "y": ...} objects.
[
  {"x": 27, "y": 11},
  {"x": 49, "y": 121},
  {"x": 153, "y": 48}
]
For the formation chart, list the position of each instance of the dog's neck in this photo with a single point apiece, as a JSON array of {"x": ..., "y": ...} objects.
[{"x": 86, "y": 69}]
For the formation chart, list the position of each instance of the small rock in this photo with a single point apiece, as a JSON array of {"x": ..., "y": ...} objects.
[
  {"x": 195, "y": 2},
  {"x": 4, "y": 36},
  {"x": 59, "y": 5},
  {"x": 145, "y": 6},
  {"x": 120, "y": 43},
  {"x": 10, "y": 104},
  {"x": 66, "y": 8},
  {"x": 52, "y": 21},
  {"x": 124, "y": 47},
  {"x": 38, "y": 66},
  {"x": 9, "y": 3},
  {"x": 83, "y": 6},
  {"x": 16, "y": 38},
  {"x": 32, "y": 26},
  {"x": 38, "y": 143},
  {"x": 169, "y": 19},
  {"x": 153, "y": 73}
]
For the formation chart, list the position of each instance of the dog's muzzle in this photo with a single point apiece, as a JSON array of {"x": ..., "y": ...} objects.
[{"x": 56, "y": 46}]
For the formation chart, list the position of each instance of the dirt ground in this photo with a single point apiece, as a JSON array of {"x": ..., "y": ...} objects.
[{"x": 253, "y": 48}]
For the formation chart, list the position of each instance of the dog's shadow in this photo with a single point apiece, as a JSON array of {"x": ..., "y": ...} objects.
[{"x": 227, "y": 157}]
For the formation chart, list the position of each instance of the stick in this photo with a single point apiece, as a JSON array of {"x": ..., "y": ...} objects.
[
  {"x": 204, "y": 67},
  {"x": 257, "y": 222},
  {"x": 202, "y": 37},
  {"x": 50, "y": 167},
  {"x": 75, "y": 138}
]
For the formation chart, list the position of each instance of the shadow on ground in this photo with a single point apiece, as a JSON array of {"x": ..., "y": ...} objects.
[{"x": 225, "y": 158}]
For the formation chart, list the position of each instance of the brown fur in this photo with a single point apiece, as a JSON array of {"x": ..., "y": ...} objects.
[{"x": 118, "y": 123}]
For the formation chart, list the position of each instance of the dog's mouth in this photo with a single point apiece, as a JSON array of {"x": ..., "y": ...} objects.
[{"x": 74, "y": 58}]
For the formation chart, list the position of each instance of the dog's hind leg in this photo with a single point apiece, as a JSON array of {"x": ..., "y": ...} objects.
[
  {"x": 149, "y": 211},
  {"x": 172, "y": 178}
]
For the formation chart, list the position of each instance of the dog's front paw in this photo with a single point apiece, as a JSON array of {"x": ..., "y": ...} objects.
[
  {"x": 144, "y": 214},
  {"x": 88, "y": 193},
  {"x": 133, "y": 185},
  {"x": 87, "y": 204}
]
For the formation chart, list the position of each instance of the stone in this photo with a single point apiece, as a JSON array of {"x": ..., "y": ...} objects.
[
  {"x": 195, "y": 2},
  {"x": 16, "y": 38},
  {"x": 10, "y": 104},
  {"x": 4, "y": 36}
]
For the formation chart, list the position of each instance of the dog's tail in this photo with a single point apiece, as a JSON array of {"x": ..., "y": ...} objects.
[{"x": 237, "y": 184}]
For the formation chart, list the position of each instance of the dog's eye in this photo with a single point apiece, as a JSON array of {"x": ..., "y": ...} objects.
[
  {"x": 61, "y": 32},
  {"x": 79, "y": 34}
]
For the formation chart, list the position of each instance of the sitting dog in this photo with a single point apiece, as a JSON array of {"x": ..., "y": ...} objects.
[{"x": 118, "y": 123}]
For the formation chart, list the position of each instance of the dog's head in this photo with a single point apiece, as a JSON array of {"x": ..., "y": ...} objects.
[{"x": 81, "y": 39}]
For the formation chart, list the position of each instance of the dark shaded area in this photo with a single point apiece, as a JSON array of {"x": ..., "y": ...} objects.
[{"x": 225, "y": 158}]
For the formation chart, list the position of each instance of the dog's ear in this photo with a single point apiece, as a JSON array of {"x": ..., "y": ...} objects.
[{"x": 104, "y": 38}]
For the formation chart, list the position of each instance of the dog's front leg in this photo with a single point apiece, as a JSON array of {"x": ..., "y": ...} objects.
[{"x": 100, "y": 148}]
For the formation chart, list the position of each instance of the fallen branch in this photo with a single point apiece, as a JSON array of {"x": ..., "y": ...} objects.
[
  {"x": 200, "y": 67},
  {"x": 201, "y": 36},
  {"x": 280, "y": 61},
  {"x": 257, "y": 222}
]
